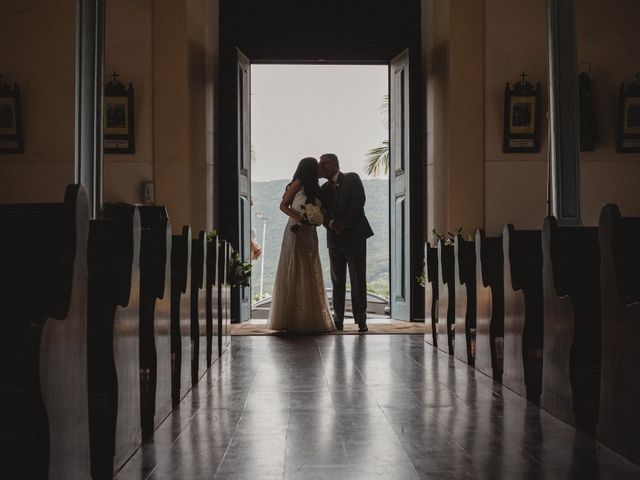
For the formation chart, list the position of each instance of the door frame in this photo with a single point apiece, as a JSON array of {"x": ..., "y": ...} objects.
[{"x": 227, "y": 181}]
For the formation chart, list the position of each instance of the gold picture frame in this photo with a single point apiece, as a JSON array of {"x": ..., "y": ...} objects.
[
  {"x": 628, "y": 140},
  {"x": 521, "y": 131},
  {"x": 11, "y": 139},
  {"x": 116, "y": 115},
  {"x": 118, "y": 118},
  {"x": 8, "y": 117},
  {"x": 522, "y": 114},
  {"x": 631, "y": 122}
]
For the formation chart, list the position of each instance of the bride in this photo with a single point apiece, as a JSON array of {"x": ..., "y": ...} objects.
[{"x": 299, "y": 302}]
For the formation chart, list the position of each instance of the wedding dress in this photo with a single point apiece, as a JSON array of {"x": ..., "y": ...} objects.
[{"x": 299, "y": 302}]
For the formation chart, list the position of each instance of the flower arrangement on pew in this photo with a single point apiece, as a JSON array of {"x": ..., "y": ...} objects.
[
  {"x": 211, "y": 235},
  {"x": 421, "y": 279},
  {"x": 239, "y": 271},
  {"x": 311, "y": 215},
  {"x": 447, "y": 239}
]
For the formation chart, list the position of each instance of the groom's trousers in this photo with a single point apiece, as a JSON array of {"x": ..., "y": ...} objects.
[{"x": 353, "y": 257}]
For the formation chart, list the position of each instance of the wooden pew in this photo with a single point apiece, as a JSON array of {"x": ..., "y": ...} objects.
[
  {"x": 157, "y": 229},
  {"x": 180, "y": 315},
  {"x": 155, "y": 303},
  {"x": 113, "y": 341},
  {"x": 523, "y": 310},
  {"x": 44, "y": 422},
  {"x": 465, "y": 299},
  {"x": 431, "y": 294},
  {"x": 446, "y": 297},
  {"x": 225, "y": 296},
  {"x": 619, "y": 419},
  {"x": 489, "y": 305},
  {"x": 571, "y": 358},
  {"x": 198, "y": 306},
  {"x": 212, "y": 298}
]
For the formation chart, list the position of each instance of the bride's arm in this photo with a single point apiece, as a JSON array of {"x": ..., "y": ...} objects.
[{"x": 287, "y": 200}]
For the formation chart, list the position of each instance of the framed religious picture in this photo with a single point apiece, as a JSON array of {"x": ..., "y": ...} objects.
[
  {"x": 629, "y": 118},
  {"x": 119, "y": 132},
  {"x": 521, "y": 117},
  {"x": 11, "y": 140}
]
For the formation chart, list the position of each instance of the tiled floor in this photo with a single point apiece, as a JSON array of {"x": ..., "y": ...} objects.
[{"x": 360, "y": 407}]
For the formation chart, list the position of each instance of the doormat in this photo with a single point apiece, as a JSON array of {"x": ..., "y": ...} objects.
[{"x": 375, "y": 328}]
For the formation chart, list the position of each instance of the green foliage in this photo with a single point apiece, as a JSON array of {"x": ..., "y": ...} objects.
[
  {"x": 377, "y": 160},
  {"x": 379, "y": 287},
  {"x": 449, "y": 237},
  {"x": 211, "y": 235},
  {"x": 239, "y": 271},
  {"x": 266, "y": 197}
]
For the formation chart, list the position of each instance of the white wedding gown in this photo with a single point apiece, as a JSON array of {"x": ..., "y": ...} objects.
[{"x": 299, "y": 302}]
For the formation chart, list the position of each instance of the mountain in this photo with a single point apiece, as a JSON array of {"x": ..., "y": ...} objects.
[{"x": 266, "y": 199}]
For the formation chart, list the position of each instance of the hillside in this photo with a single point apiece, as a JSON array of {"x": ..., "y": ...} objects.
[{"x": 266, "y": 199}]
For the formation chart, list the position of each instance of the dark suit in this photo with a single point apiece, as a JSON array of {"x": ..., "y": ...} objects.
[{"x": 345, "y": 205}]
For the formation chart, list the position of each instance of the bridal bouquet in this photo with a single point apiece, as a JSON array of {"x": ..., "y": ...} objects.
[{"x": 311, "y": 215}]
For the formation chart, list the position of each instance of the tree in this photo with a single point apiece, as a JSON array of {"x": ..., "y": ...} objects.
[{"x": 377, "y": 160}]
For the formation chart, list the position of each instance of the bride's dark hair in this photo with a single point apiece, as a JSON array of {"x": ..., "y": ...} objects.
[{"x": 307, "y": 173}]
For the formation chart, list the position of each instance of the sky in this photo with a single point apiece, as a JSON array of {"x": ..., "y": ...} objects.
[{"x": 299, "y": 111}]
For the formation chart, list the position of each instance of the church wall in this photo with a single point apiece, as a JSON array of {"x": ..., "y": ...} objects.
[
  {"x": 182, "y": 102},
  {"x": 211, "y": 92},
  {"x": 38, "y": 52},
  {"x": 466, "y": 114},
  {"x": 515, "y": 183},
  {"x": 196, "y": 115},
  {"x": 128, "y": 51},
  {"x": 435, "y": 53},
  {"x": 453, "y": 54},
  {"x": 608, "y": 38}
]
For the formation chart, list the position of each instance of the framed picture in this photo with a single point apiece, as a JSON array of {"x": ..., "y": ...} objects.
[
  {"x": 11, "y": 140},
  {"x": 629, "y": 118},
  {"x": 521, "y": 118},
  {"x": 119, "y": 134}
]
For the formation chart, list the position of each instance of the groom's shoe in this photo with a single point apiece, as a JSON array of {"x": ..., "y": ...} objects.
[
  {"x": 362, "y": 327},
  {"x": 339, "y": 326}
]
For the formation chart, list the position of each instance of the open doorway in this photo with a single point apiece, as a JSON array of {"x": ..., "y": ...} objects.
[{"x": 307, "y": 110}]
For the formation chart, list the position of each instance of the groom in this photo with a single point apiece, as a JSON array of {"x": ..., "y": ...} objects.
[{"x": 347, "y": 232}]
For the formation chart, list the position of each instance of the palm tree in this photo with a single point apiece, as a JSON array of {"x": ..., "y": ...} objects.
[{"x": 378, "y": 158}]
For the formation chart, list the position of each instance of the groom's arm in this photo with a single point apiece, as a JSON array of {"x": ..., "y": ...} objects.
[
  {"x": 326, "y": 212},
  {"x": 357, "y": 200}
]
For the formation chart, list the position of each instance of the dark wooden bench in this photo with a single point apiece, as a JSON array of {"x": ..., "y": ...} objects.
[
  {"x": 571, "y": 358},
  {"x": 218, "y": 340},
  {"x": 180, "y": 315},
  {"x": 523, "y": 310},
  {"x": 155, "y": 288},
  {"x": 225, "y": 296},
  {"x": 431, "y": 294},
  {"x": 489, "y": 305},
  {"x": 44, "y": 421},
  {"x": 156, "y": 273},
  {"x": 446, "y": 297},
  {"x": 198, "y": 306},
  {"x": 465, "y": 299},
  {"x": 113, "y": 341},
  {"x": 619, "y": 419}
]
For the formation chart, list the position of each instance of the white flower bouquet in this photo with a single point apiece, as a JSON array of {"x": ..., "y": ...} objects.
[{"x": 312, "y": 214}]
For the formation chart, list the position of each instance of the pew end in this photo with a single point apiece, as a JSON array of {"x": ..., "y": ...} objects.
[
  {"x": 619, "y": 417},
  {"x": 523, "y": 312},
  {"x": 489, "y": 305}
]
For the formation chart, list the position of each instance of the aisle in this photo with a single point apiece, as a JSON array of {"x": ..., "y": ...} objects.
[{"x": 361, "y": 407}]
